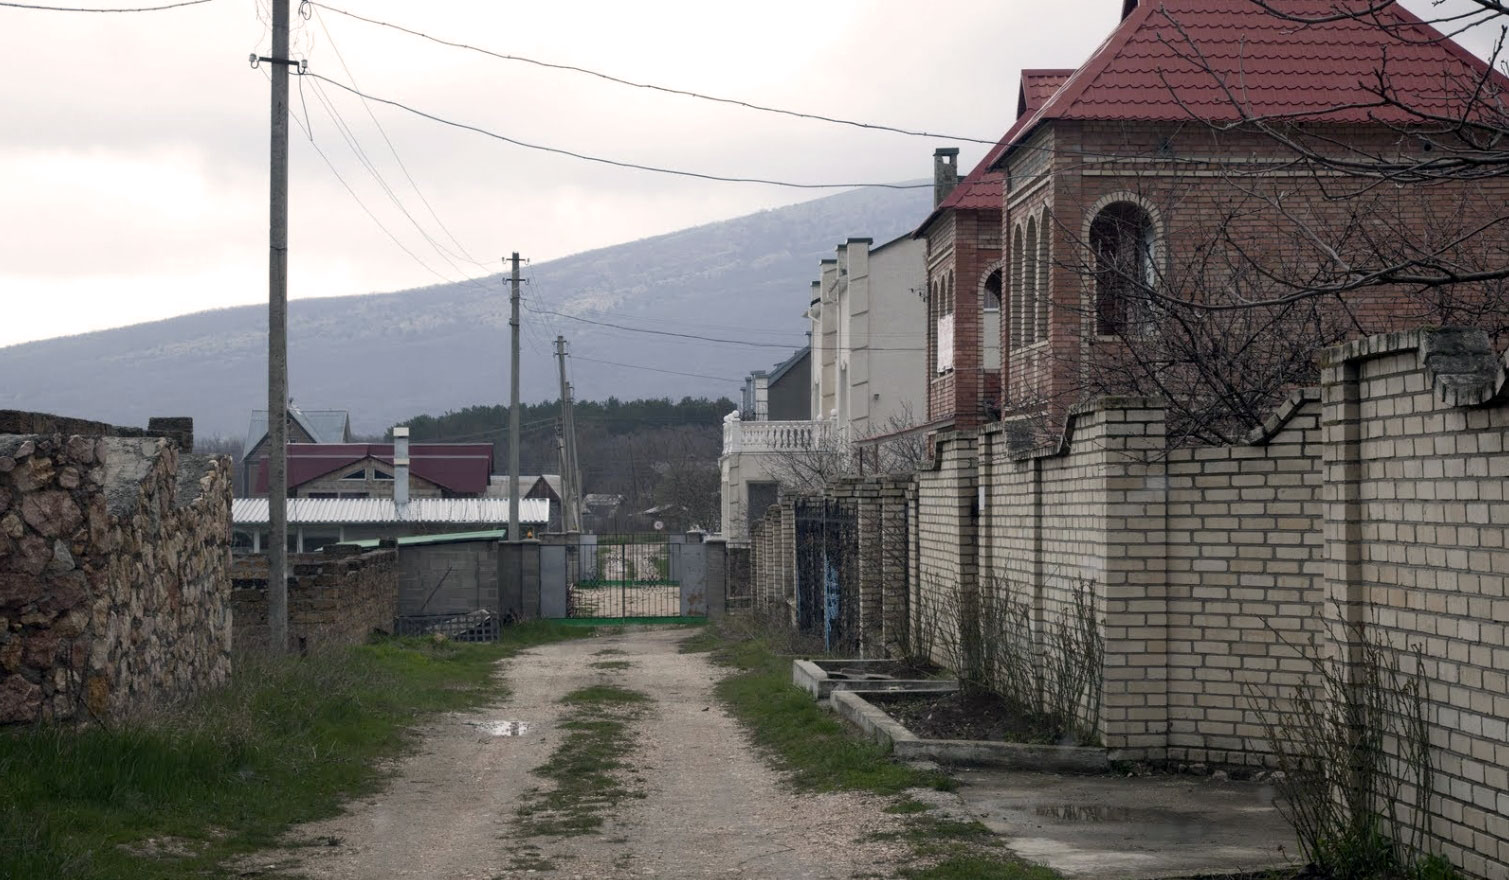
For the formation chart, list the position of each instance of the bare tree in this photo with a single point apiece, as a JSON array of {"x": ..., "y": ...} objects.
[
  {"x": 1251, "y": 241},
  {"x": 1420, "y": 197},
  {"x": 822, "y": 456}
]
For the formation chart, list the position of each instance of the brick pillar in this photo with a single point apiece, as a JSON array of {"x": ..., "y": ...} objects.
[
  {"x": 871, "y": 561},
  {"x": 786, "y": 553},
  {"x": 895, "y": 543},
  {"x": 1134, "y": 595}
]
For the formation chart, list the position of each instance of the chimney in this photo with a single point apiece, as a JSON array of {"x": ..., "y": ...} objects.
[
  {"x": 401, "y": 466},
  {"x": 945, "y": 173}
]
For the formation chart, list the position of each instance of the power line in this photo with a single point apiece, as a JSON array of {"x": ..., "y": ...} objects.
[
  {"x": 331, "y": 165},
  {"x": 614, "y": 162},
  {"x": 658, "y": 88},
  {"x": 700, "y": 338},
  {"x": 346, "y": 132},
  {"x": 660, "y": 332},
  {"x": 654, "y": 369},
  {"x": 394, "y": 150},
  {"x": 87, "y": 9}
]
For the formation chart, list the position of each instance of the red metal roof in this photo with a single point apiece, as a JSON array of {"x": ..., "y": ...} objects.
[
  {"x": 462, "y": 468},
  {"x": 1037, "y": 87},
  {"x": 1152, "y": 67},
  {"x": 981, "y": 188}
]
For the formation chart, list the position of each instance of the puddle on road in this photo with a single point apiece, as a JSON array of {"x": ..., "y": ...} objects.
[
  {"x": 1084, "y": 813},
  {"x": 502, "y": 728}
]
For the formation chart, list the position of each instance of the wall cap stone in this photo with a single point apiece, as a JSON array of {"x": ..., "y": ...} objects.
[
  {"x": 1459, "y": 362},
  {"x": 1280, "y": 417},
  {"x": 1018, "y": 430}
]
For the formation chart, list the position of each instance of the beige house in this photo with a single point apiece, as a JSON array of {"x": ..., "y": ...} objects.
[{"x": 866, "y": 316}]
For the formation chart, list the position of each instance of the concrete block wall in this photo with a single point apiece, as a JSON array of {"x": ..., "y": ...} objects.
[{"x": 448, "y": 578}]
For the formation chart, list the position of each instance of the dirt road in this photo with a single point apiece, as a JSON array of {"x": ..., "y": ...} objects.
[{"x": 711, "y": 806}]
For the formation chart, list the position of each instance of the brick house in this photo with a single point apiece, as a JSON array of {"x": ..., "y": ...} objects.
[
  {"x": 965, "y": 268},
  {"x": 1118, "y": 177}
]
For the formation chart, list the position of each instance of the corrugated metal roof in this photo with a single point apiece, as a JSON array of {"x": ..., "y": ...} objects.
[
  {"x": 448, "y": 538},
  {"x": 469, "y": 511}
]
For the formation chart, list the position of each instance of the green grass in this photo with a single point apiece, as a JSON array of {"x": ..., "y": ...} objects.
[
  {"x": 587, "y": 768},
  {"x": 822, "y": 754},
  {"x": 812, "y": 743},
  {"x": 609, "y": 665},
  {"x": 175, "y": 794}
]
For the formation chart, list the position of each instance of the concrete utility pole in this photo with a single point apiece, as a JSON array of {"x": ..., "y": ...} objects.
[
  {"x": 513, "y": 407},
  {"x": 576, "y": 468},
  {"x": 568, "y": 480},
  {"x": 277, "y": 341}
]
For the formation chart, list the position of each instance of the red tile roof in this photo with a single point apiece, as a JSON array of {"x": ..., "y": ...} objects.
[
  {"x": 462, "y": 468},
  {"x": 981, "y": 188},
  {"x": 1037, "y": 87},
  {"x": 1152, "y": 67}
]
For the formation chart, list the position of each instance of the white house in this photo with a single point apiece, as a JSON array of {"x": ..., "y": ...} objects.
[{"x": 867, "y": 376}]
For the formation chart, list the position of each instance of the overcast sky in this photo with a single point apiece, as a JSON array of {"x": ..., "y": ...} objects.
[{"x": 133, "y": 148}]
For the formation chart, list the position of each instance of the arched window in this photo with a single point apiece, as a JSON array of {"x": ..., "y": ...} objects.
[
  {"x": 1014, "y": 329},
  {"x": 1044, "y": 298},
  {"x": 992, "y": 301},
  {"x": 1030, "y": 288},
  {"x": 1123, "y": 240}
]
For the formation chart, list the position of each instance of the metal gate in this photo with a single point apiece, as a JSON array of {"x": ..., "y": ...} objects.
[
  {"x": 827, "y": 595},
  {"x": 625, "y": 576}
]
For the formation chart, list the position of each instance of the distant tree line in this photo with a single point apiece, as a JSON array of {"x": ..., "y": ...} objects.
[{"x": 652, "y": 452}]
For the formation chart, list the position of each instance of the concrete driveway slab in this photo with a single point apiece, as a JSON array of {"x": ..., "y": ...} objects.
[{"x": 1132, "y": 828}]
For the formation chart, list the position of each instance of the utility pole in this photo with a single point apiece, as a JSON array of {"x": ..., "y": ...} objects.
[
  {"x": 576, "y": 468},
  {"x": 513, "y": 406},
  {"x": 568, "y": 480},
  {"x": 277, "y": 340}
]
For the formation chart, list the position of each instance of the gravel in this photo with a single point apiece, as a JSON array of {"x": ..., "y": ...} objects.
[{"x": 712, "y": 806}]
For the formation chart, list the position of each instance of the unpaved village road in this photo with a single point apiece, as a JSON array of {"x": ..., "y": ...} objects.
[{"x": 712, "y": 806}]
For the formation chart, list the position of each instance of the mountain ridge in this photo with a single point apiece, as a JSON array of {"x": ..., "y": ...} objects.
[{"x": 391, "y": 355}]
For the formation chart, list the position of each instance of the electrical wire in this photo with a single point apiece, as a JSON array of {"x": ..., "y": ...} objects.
[
  {"x": 363, "y": 205},
  {"x": 658, "y": 88},
  {"x": 654, "y": 369},
  {"x": 361, "y": 156},
  {"x": 614, "y": 162},
  {"x": 778, "y": 345},
  {"x": 87, "y": 9},
  {"x": 464, "y": 254}
]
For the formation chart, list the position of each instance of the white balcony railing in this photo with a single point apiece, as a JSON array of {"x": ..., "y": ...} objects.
[{"x": 804, "y": 436}]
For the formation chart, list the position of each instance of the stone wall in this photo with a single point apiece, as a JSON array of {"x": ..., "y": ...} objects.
[
  {"x": 114, "y": 555},
  {"x": 339, "y": 596}
]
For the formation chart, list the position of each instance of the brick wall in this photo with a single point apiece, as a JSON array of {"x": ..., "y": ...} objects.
[
  {"x": 335, "y": 597},
  {"x": 1417, "y": 553},
  {"x": 113, "y": 572}
]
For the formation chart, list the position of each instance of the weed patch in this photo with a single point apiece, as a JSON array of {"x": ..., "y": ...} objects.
[
  {"x": 286, "y": 742},
  {"x": 587, "y": 768},
  {"x": 821, "y": 754},
  {"x": 611, "y": 664}
]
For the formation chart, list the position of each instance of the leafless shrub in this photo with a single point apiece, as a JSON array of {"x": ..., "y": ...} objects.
[{"x": 1353, "y": 752}]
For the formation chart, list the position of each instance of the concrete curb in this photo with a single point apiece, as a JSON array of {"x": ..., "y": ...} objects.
[
  {"x": 812, "y": 678},
  {"x": 907, "y": 746}
]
